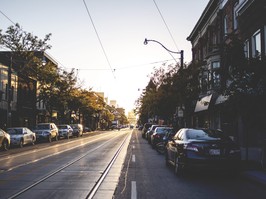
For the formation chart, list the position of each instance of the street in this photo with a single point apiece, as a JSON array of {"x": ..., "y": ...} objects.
[
  {"x": 145, "y": 175},
  {"x": 111, "y": 164},
  {"x": 65, "y": 169}
]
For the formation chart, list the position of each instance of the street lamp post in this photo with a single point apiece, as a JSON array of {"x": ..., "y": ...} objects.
[{"x": 181, "y": 52}]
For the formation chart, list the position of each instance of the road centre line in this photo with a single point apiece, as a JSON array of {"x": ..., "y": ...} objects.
[
  {"x": 133, "y": 190},
  {"x": 133, "y": 158}
]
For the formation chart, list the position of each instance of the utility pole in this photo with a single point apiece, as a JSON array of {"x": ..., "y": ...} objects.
[{"x": 8, "y": 93}]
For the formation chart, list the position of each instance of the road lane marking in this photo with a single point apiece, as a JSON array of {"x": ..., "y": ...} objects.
[
  {"x": 133, "y": 147},
  {"x": 133, "y": 190},
  {"x": 133, "y": 158}
]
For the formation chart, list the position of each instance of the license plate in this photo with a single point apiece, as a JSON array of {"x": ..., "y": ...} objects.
[{"x": 214, "y": 152}]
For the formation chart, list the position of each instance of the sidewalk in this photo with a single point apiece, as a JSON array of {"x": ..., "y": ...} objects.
[
  {"x": 255, "y": 174},
  {"x": 252, "y": 169}
]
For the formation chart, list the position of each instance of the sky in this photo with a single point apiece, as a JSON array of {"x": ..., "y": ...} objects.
[{"x": 105, "y": 44}]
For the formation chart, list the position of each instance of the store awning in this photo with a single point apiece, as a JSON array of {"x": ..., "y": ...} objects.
[{"x": 203, "y": 103}]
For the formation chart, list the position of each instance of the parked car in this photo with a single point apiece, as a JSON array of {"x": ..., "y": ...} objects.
[
  {"x": 159, "y": 133},
  {"x": 46, "y": 131},
  {"x": 21, "y": 136},
  {"x": 87, "y": 129},
  {"x": 145, "y": 129},
  {"x": 65, "y": 131},
  {"x": 202, "y": 148},
  {"x": 4, "y": 140},
  {"x": 77, "y": 129},
  {"x": 160, "y": 147},
  {"x": 151, "y": 131}
]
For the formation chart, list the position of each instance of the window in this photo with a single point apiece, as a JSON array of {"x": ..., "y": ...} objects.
[
  {"x": 265, "y": 39},
  {"x": 204, "y": 80},
  {"x": 235, "y": 16},
  {"x": 225, "y": 25},
  {"x": 246, "y": 48},
  {"x": 215, "y": 74},
  {"x": 256, "y": 45}
]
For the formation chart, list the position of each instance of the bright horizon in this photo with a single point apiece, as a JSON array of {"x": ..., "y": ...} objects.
[{"x": 121, "y": 26}]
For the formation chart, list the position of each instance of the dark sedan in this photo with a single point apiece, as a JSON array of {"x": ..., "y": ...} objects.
[
  {"x": 202, "y": 148},
  {"x": 159, "y": 134}
]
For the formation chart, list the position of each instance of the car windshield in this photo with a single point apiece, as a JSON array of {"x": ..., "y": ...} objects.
[
  {"x": 14, "y": 131},
  {"x": 163, "y": 130},
  {"x": 43, "y": 126},
  {"x": 75, "y": 126},
  {"x": 62, "y": 126},
  {"x": 200, "y": 135},
  {"x": 206, "y": 134}
]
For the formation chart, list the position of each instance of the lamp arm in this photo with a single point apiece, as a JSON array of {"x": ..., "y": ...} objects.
[{"x": 147, "y": 40}]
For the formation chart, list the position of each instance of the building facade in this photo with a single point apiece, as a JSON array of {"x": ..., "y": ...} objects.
[
  {"x": 212, "y": 36},
  {"x": 18, "y": 93}
]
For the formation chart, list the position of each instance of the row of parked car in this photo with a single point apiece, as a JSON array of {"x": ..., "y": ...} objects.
[
  {"x": 192, "y": 148},
  {"x": 20, "y": 136}
]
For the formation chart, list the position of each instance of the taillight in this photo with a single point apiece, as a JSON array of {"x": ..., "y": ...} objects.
[
  {"x": 191, "y": 147},
  {"x": 233, "y": 151}
]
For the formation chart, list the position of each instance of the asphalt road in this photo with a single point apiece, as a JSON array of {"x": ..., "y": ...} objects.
[
  {"x": 145, "y": 175},
  {"x": 64, "y": 169}
]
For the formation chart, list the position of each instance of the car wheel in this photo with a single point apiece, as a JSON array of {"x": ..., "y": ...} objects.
[
  {"x": 166, "y": 160},
  {"x": 21, "y": 143},
  {"x": 178, "y": 167},
  {"x": 33, "y": 141},
  {"x": 49, "y": 138},
  {"x": 5, "y": 145}
]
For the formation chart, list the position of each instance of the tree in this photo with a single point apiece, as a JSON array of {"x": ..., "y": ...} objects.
[{"x": 24, "y": 47}]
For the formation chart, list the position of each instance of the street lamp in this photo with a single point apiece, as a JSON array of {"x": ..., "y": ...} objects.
[{"x": 179, "y": 52}]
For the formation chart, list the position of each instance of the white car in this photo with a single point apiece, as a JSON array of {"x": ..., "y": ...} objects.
[
  {"x": 65, "y": 131},
  {"x": 47, "y": 132},
  {"x": 4, "y": 140},
  {"x": 21, "y": 136}
]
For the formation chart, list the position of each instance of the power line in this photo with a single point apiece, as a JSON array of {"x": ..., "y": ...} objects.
[
  {"x": 127, "y": 67},
  {"x": 165, "y": 24},
  {"x": 7, "y": 17},
  {"x": 99, "y": 38}
]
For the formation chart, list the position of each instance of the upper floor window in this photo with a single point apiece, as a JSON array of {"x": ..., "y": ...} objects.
[
  {"x": 246, "y": 48},
  {"x": 225, "y": 24},
  {"x": 256, "y": 44},
  {"x": 215, "y": 74},
  {"x": 235, "y": 15},
  {"x": 265, "y": 39}
]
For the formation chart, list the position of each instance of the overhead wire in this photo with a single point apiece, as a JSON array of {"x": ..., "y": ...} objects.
[
  {"x": 168, "y": 29},
  {"x": 7, "y": 17},
  {"x": 99, "y": 39},
  {"x": 78, "y": 69},
  {"x": 127, "y": 67}
]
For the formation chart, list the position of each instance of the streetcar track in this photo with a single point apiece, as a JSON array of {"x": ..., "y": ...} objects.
[
  {"x": 98, "y": 182},
  {"x": 105, "y": 172},
  {"x": 47, "y": 156}
]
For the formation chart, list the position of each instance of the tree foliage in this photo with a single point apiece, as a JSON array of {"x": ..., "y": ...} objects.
[
  {"x": 57, "y": 88},
  {"x": 168, "y": 89},
  {"x": 246, "y": 86}
]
